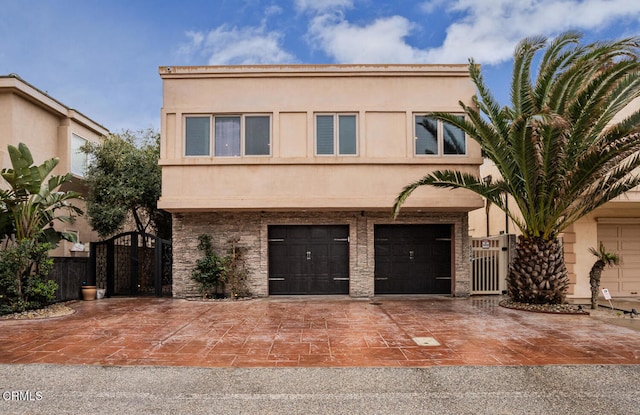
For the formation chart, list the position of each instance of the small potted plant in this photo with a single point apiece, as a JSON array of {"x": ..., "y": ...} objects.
[{"x": 88, "y": 291}]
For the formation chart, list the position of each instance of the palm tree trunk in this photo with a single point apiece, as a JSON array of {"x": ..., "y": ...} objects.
[
  {"x": 538, "y": 274},
  {"x": 594, "y": 279}
]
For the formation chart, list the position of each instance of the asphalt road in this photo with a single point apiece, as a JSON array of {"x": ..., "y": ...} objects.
[{"x": 587, "y": 389}]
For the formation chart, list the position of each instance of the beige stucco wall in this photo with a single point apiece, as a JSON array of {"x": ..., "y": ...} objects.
[
  {"x": 28, "y": 115},
  {"x": 385, "y": 99}
]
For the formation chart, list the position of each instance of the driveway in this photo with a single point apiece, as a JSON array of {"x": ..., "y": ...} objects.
[
  {"x": 429, "y": 355},
  {"x": 316, "y": 332}
]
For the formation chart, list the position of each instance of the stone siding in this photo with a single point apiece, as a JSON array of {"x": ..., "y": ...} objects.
[{"x": 251, "y": 230}]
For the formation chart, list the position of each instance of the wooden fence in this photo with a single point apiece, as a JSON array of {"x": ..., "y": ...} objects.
[{"x": 69, "y": 273}]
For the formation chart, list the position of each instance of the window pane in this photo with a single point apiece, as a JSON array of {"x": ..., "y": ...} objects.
[
  {"x": 256, "y": 136},
  {"x": 426, "y": 135},
  {"x": 78, "y": 158},
  {"x": 227, "y": 136},
  {"x": 324, "y": 134},
  {"x": 197, "y": 136},
  {"x": 454, "y": 140},
  {"x": 347, "y": 134}
]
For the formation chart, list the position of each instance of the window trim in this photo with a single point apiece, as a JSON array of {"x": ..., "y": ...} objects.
[
  {"x": 439, "y": 137},
  {"x": 212, "y": 134},
  {"x": 336, "y": 133}
]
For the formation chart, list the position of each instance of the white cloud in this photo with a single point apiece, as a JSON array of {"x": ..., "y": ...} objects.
[
  {"x": 431, "y": 6},
  {"x": 488, "y": 30},
  {"x": 319, "y": 6},
  {"x": 237, "y": 46},
  {"x": 492, "y": 28},
  {"x": 379, "y": 42}
]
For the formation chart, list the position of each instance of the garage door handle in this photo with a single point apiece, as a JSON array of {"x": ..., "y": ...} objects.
[
  {"x": 443, "y": 278},
  {"x": 381, "y": 278},
  {"x": 308, "y": 255},
  {"x": 341, "y": 279}
]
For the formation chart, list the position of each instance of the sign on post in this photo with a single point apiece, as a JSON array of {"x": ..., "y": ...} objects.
[{"x": 607, "y": 297}]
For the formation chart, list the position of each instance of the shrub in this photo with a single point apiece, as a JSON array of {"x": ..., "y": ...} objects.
[
  {"x": 220, "y": 276},
  {"x": 24, "y": 267}
]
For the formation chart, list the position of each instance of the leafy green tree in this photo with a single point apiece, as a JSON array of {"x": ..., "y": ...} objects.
[
  {"x": 124, "y": 181},
  {"x": 558, "y": 149}
]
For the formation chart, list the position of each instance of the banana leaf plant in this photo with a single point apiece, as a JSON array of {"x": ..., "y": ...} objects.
[{"x": 33, "y": 201}]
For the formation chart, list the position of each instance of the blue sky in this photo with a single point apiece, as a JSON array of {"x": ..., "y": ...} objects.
[{"x": 101, "y": 57}]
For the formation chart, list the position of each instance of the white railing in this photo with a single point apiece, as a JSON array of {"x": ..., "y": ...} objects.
[{"x": 489, "y": 264}]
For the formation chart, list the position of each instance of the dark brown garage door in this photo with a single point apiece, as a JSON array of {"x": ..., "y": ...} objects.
[
  {"x": 413, "y": 259},
  {"x": 308, "y": 259}
]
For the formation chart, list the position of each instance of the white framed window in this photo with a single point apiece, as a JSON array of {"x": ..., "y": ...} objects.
[
  {"x": 78, "y": 158},
  {"x": 435, "y": 137},
  {"x": 232, "y": 135},
  {"x": 336, "y": 134}
]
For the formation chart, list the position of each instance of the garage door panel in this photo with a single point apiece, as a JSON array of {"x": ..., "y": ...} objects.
[
  {"x": 315, "y": 259},
  {"x": 623, "y": 239},
  {"x": 410, "y": 259}
]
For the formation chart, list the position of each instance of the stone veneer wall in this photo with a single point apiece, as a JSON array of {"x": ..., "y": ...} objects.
[{"x": 251, "y": 228}]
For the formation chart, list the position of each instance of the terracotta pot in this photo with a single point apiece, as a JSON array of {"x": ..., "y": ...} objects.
[{"x": 89, "y": 292}]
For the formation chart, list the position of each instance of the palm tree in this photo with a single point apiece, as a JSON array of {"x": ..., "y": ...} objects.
[
  {"x": 557, "y": 147},
  {"x": 604, "y": 259}
]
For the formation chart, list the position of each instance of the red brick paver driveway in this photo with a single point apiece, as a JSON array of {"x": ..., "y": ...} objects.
[{"x": 314, "y": 332}]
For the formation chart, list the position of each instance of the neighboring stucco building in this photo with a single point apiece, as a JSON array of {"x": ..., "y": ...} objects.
[
  {"x": 50, "y": 129},
  {"x": 616, "y": 224},
  {"x": 302, "y": 164}
]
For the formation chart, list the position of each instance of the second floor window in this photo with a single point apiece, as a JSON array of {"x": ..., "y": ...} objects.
[
  {"x": 233, "y": 135},
  {"x": 78, "y": 158},
  {"x": 336, "y": 134},
  {"x": 434, "y": 137}
]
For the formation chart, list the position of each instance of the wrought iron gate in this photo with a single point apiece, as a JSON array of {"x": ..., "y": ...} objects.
[
  {"x": 490, "y": 263},
  {"x": 132, "y": 263}
]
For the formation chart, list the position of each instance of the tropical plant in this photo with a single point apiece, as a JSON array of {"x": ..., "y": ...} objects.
[
  {"x": 604, "y": 259},
  {"x": 561, "y": 147},
  {"x": 124, "y": 181},
  {"x": 33, "y": 202}
]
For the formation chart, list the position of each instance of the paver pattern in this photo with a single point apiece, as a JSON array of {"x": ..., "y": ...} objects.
[{"x": 314, "y": 332}]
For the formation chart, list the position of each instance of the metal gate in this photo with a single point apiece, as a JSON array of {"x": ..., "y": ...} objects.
[
  {"x": 132, "y": 263},
  {"x": 490, "y": 263}
]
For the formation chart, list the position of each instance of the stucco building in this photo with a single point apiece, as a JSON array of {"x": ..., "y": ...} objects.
[
  {"x": 50, "y": 129},
  {"x": 301, "y": 165}
]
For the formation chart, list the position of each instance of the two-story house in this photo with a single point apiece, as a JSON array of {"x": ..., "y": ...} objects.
[
  {"x": 50, "y": 129},
  {"x": 301, "y": 165}
]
